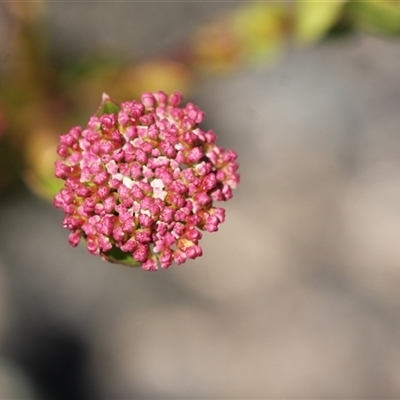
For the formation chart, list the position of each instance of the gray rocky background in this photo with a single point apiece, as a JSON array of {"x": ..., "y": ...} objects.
[{"x": 297, "y": 295}]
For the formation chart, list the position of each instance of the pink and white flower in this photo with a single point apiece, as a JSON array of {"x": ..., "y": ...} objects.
[{"x": 141, "y": 180}]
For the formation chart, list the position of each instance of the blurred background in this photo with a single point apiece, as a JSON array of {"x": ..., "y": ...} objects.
[{"x": 297, "y": 295}]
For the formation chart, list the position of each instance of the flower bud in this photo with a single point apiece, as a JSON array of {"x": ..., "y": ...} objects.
[{"x": 141, "y": 180}]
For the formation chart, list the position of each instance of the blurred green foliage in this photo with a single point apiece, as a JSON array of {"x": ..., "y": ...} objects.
[
  {"x": 40, "y": 97},
  {"x": 382, "y": 17},
  {"x": 315, "y": 19}
]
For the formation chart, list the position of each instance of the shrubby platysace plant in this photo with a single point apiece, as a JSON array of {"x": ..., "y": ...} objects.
[{"x": 141, "y": 180}]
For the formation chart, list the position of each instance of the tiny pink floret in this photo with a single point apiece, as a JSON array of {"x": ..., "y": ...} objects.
[{"x": 141, "y": 179}]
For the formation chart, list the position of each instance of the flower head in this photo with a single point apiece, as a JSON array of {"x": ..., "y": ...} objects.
[{"x": 141, "y": 180}]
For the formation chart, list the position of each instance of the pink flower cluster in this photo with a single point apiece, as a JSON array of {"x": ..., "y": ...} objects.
[{"x": 141, "y": 179}]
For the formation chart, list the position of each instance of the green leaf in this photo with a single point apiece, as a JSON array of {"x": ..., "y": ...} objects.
[
  {"x": 260, "y": 28},
  {"x": 116, "y": 255},
  {"x": 107, "y": 106},
  {"x": 314, "y": 19},
  {"x": 374, "y": 16}
]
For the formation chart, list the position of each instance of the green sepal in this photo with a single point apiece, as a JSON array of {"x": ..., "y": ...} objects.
[
  {"x": 117, "y": 256},
  {"x": 107, "y": 106}
]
